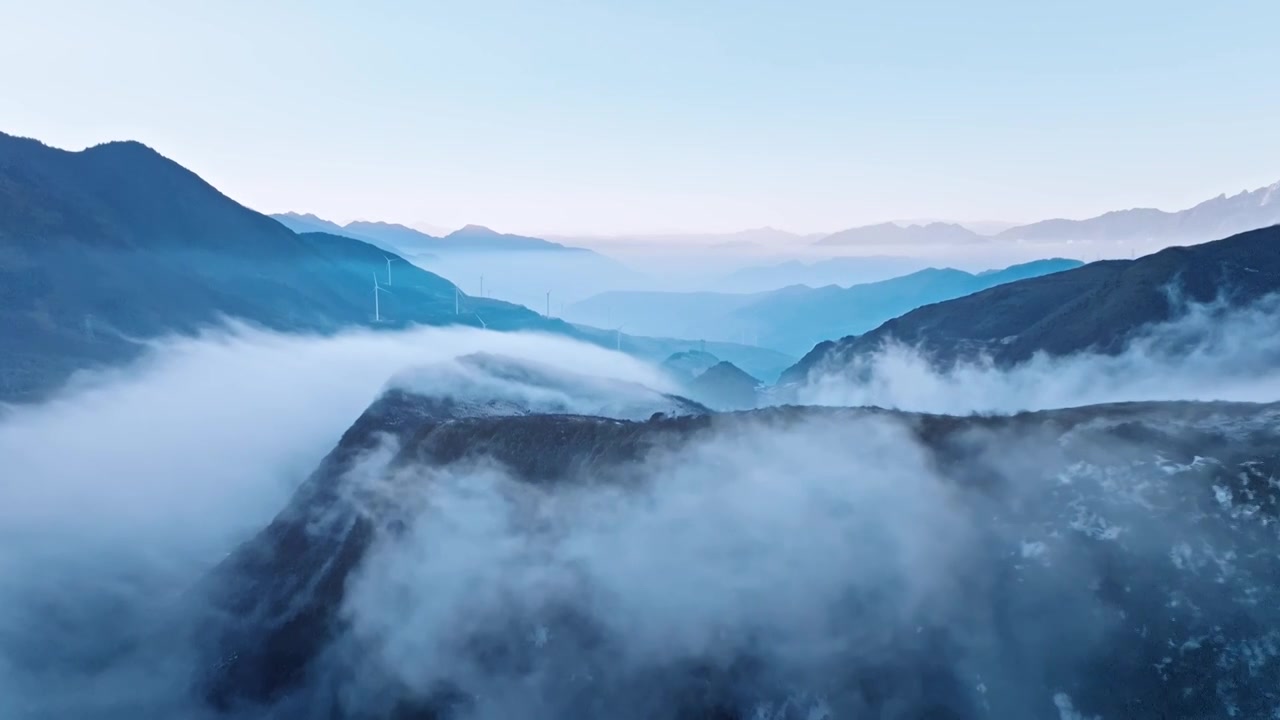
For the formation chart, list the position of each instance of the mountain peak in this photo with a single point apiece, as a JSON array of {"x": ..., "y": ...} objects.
[
  {"x": 472, "y": 229},
  {"x": 124, "y": 149},
  {"x": 1270, "y": 194},
  {"x": 377, "y": 224},
  {"x": 301, "y": 216}
]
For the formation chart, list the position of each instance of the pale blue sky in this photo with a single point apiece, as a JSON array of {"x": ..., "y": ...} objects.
[{"x": 577, "y": 117}]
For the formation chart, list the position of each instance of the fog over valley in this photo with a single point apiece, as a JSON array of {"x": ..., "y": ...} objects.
[{"x": 660, "y": 361}]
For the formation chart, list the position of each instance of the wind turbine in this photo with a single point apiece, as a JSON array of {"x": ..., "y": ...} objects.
[
  {"x": 389, "y": 259},
  {"x": 618, "y": 338},
  {"x": 548, "y": 304},
  {"x": 482, "y": 286},
  {"x": 377, "y": 315},
  {"x": 483, "y": 324}
]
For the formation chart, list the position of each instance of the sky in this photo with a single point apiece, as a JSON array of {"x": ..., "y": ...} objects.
[{"x": 563, "y": 117}]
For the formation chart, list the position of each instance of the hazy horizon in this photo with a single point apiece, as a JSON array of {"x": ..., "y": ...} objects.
[{"x": 604, "y": 119}]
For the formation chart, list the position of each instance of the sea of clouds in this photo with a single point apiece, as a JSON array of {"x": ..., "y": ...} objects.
[{"x": 124, "y": 489}]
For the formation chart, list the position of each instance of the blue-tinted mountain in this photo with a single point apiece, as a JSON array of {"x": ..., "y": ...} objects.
[
  {"x": 404, "y": 239},
  {"x": 1094, "y": 308},
  {"x": 793, "y": 319},
  {"x": 842, "y": 271},
  {"x": 104, "y": 246},
  {"x": 1215, "y": 218},
  {"x": 935, "y": 233},
  {"x": 683, "y": 367},
  {"x": 724, "y": 386},
  {"x": 479, "y": 237},
  {"x": 400, "y": 238},
  {"x": 516, "y": 268},
  {"x": 305, "y": 223}
]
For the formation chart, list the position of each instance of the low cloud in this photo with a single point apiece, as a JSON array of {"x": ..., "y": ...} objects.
[
  {"x": 748, "y": 542},
  {"x": 126, "y": 487},
  {"x": 734, "y": 560},
  {"x": 1210, "y": 352}
]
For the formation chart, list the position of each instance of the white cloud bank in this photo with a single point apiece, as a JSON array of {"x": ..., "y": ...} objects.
[{"x": 1209, "y": 352}]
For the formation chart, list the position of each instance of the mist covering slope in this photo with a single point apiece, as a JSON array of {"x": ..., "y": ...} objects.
[
  {"x": 483, "y": 563},
  {"x": 550, "y": 537},
  {"x": 102, "y": 248},
  {"x": 106, "y": 250},
  {"x": 1095, "y": 308},
  {"x": 518, "y": 525}
]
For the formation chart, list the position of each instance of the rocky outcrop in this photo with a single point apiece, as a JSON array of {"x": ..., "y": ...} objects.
[{"x": 1117, "y": 563}]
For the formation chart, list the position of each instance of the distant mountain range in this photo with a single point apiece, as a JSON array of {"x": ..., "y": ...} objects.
[
  {"x": 401, "y": 238},
  {"x": 1093, "y": 308},
  {"x": 515, "y": 268},
  {"x": 1215, "y": 218},
  {"x": 711, "y": 381},
  {"x": 1209, "y": 220},
  {"x": 835, "y": 271},
  {"x": 1114, "y": 233},
  {"x": 752, "y": 237},
  {"x": 103, "y": 248},
  {"x": 792, "y": 319},
  {"x": 937, "y": 233}
]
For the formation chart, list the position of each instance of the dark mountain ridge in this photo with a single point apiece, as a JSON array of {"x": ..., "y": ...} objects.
[
  {"x": 105, "y": 248},
  {"x": 724, "y": 386},
  {"x": 102, "y": 247},
  {"x": 1147, "y": 482},
  {"x": 1094, "y": 308}
]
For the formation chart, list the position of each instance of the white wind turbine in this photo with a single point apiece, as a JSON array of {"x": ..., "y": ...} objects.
[
  {"x": 377, "y": 314},
  {"x": 483, "y": 324},
  {"x": 389, "y": 259},
  {"x": 617, "y": 333}
]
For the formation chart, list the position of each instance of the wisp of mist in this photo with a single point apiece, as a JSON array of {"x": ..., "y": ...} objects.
[
  {"x": 121, "y": 491},
  {"x": 1207, "y": 352}
]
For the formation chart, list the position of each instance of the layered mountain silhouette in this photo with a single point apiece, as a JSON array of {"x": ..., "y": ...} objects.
[
  {"x": 683, "y": 367},
  {"x": 793, "y": 319},
  {"x": 724, "y": 386},
  {"x": 1215, "y": 218},
  {"x": 1094, "y": 308},
  {"x": 113, "y": 244},
  {"x": 842, "y": 271},
  {"x": 515, "y": 268},
  {"x": 306, "y": 222},
  {"x": 104, "y": 248},
  {"x": 401, "y": 238},
  {"x": 1212, "y": 219},
  {"x": 936, "y": 233},
  {"x": 716, "y": 383}
]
